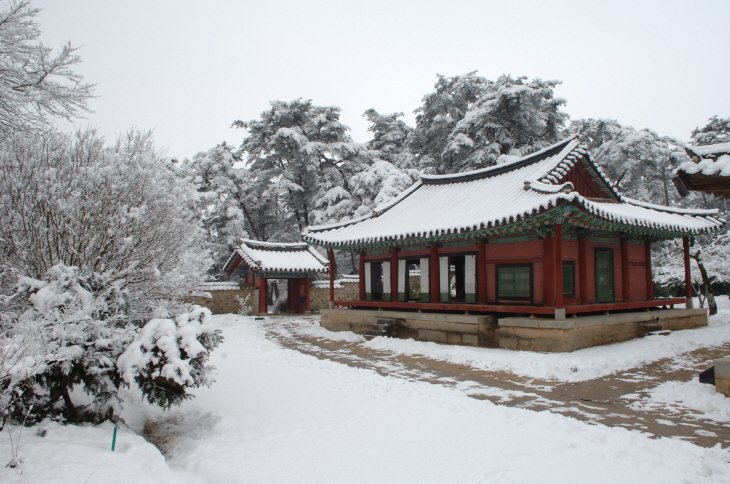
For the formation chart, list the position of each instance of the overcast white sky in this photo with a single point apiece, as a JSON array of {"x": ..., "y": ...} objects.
[{"x": 189, "y": 69}]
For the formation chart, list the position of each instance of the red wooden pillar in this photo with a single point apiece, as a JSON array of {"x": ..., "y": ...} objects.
[
  {"x": 333, "y": 270},
  {"x": 687, "y": 273},
  {"x": 559, "y": 266},
  {"x": 362, "y": 276},
  {"x": 263, "y": 300},
  {"x": 647, "y": 268},
  {"x": 434, "y": 274},
  {"x": 307, "y": 283},
  {"x": 625, "y": 279},
  {"x": 394, "y": 275},
  {"x": 548, "y": 272},
  {"x": 583, "y": 268},
  {"x": 482, "y": 272}
]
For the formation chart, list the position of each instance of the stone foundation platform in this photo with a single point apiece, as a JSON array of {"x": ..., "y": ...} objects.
[
  {"x": 530, "y": 334},
  {"x": 561, "y": 335},
  {"x": 457, "y": 329}
]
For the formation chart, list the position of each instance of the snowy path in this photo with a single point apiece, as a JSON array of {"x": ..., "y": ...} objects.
[
  {"x": 279, "y": 415},
  {"x": 614, "y": 400}
]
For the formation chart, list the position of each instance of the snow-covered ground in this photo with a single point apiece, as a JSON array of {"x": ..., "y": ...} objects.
[{"x": 276, "y": 415}]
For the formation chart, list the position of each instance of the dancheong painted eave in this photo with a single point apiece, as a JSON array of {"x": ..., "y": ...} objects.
[
  {"x": 278, "y": 257},
  {"x": 500, "y": 198}
]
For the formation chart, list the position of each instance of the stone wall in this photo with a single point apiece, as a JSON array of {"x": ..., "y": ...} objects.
[
  {"x": 319, "y": 297},
  {"x": 224, "y": 302}
]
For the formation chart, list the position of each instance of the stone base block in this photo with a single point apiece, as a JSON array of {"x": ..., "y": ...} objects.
[{"x": 722, "y": 376}]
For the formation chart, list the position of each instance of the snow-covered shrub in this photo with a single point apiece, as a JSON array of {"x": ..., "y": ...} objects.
[
  {"x": 81, "y": 327},
  {"x": 168, "y": 356},
  {"x": 120, "y": 210},
  {"x": 82, "y": 338}
]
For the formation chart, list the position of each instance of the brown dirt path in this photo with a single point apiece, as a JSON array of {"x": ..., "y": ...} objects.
[{"x": 596, "y": 401}]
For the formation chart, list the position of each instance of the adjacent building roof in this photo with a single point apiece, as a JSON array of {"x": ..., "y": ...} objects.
[
  {"x": 502, "y": 199},
  {"x": 268, "y": 257},
  {"x": 709, "y": 170}
]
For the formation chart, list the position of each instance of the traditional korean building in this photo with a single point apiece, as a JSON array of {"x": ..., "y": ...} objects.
[
  {"x": 545, "y": 236},
  {"x": 708, "y": 172},
  {"x": 256, "y": 262}
]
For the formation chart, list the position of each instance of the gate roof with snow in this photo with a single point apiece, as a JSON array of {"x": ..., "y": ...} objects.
[
  {"x": 269, "y": 259},
  {"x": 519, "y": 197}
]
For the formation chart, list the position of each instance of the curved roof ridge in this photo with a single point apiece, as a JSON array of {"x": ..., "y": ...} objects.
[
  {"x": 664, "y": 208},
  {"x": 501, "y": 168}
]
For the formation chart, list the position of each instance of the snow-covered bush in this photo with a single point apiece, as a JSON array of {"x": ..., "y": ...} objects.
[
  {"x": 119, "y": 210},
  {"x": 168, "y": 356},
  {"x": 84, "y": 339},
  {"x": 81, "y": 327}
]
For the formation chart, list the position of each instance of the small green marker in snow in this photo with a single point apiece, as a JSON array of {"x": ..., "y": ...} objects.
[{"x": 114, "y": 438}]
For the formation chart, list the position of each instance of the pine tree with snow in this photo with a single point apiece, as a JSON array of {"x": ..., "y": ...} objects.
[
  {"x": 439, "y": 114},
  {"x": 392, "y": 138},
  {"x": 717, "y": 130},
  {"x": 306, "y": 155},
  {"x": 640, "y": 162},
  {"x": 512, "y": 117},
  {"x": 378, "y": 184}
]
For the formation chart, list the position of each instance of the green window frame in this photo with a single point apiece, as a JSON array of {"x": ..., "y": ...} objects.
[
  {"x": 514, "y": 282},
  {"x": 568, "y": 278}
]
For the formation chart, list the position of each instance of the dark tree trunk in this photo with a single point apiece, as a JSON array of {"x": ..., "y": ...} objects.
[{"x": 706, "y": 285}]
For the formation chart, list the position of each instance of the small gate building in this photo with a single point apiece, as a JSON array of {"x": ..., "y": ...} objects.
[
  {"x": 540, "y": 253},
  {"x": 256, "y": 262}
]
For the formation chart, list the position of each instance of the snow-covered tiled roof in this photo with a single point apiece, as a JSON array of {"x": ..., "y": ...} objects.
[
  {"x": 279, "y": 257},
  {"x": 219, "y": 286},
  {"x": 498, "y": 195},
  {"x": 707, "y": 160}
]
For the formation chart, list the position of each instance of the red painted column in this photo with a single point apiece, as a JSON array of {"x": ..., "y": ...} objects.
[
  {"x": 647, "y": 266},
  {"x": 333, "y": 271},
  {"x": 307, "y": 283},
  {"x": 394, "y": 275},
  {"x": 559, "y": 266},
  {"x": 263, "y": 300},
  {"x": 482, "y": 272},
  {"x": 687, "y": 272},
  {"x": 583, "y": 268},
  {"x": 625, "y": 279},
  {"x": 434, "y": 273},
  {"x": 548, "y": 272},
  {"x": 362, "y": 276}
]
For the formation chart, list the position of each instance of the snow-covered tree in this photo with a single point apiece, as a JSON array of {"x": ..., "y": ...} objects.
[
  {"x": 439, "y": 114},
  {"x": 392, "y": 138},
  {"x": 378, "y": 184},
  {"x": 223, "y": 207},
  {"x": 639, "y": 162},
  {"x": 304, "y": 153},
  {"x": 120, "y": 209},
  {"x": 512, "y": 117},
  {"x": 717, "y": 130},
  {"x": 35, "y": 84}
]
